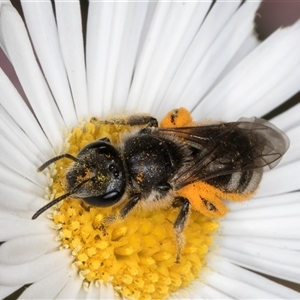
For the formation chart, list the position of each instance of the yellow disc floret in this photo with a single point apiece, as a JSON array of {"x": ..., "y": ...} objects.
[{"x": 136, "y": 255}]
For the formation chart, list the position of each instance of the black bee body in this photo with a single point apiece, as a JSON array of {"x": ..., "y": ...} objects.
[
  {"x": 141, "y": 168},
  {"x": 151, "y": 162}
]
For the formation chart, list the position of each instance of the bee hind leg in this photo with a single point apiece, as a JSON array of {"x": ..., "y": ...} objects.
[
  {"x": 134, "y": 120},
  {"x": 138, "y": 120},
  {"x": 180, "y": 223}
]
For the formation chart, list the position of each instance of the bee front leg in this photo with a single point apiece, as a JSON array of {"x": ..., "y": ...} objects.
[
  {"x": 135, "y": 198},
  {"x": 180, "y": 224},
  {"x": 130, "y": 205}
]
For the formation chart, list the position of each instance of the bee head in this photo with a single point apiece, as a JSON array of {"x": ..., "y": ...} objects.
[{"x": 98, "y": 175}]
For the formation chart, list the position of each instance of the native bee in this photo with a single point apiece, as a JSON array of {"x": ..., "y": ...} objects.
[{"x": 177, "y": 164}]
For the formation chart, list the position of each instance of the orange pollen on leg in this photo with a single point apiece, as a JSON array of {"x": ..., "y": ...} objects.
[
  {"x": 177, "y": 118},
  {"x": 238, "y": 197},
  {"x": 204, "y": 198},
  {"x": 207, "y": 199}
]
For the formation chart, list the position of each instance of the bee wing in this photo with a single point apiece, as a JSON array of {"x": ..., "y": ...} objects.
[{"x": 226, "y": 148}]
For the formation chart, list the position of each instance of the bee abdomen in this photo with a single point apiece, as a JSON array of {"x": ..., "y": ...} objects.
[{"x": 238, "y": 182}]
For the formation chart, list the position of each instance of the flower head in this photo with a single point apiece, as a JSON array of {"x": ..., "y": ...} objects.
[{"x": 131, "y": 61}]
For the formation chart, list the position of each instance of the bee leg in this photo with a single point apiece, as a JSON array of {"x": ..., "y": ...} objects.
[
  {"x": 130, "y": 205},
  {"x": 105, "y": 139},
  {"x": 123, "y": 213},
  {"x": 135, "y": 120},
  {"x": 180, "y": 224}
]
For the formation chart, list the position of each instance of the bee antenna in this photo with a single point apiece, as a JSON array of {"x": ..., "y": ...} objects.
[
  {"x": 54, "y": 159},
  {"x": 53, "y": 202}
]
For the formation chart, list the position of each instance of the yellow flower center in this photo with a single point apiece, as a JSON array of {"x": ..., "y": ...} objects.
[{"x": 136, "y": 255}]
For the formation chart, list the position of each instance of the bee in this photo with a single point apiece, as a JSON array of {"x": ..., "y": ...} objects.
[{"x": 179, "y": 164}]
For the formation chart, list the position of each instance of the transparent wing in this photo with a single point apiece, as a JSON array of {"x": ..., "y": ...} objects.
[{"x": 226, "y": 148}]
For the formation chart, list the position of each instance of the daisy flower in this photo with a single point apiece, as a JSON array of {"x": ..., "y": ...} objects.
[{"x": 141, "y": 57}]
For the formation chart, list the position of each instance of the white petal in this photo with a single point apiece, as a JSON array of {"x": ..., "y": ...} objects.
[
  {"x": 275, "y": 269},
  {"x": 71, "y": 289},
  {"x": 15, "y": 159},
  {"x": 102, "y": 51},
  {"x": 93, "y": 292},
  {"x": 293, "y": 153},
  {"x": 13, "y": 199},
  {"x": 68, "y": 18},
  {"x": 5, "y": 2},
  {"x": 249, "y": 44},
  {"x": 268, "y": 288},
  {"x": 25, "y": 249},
  {"x": 153, "y": 34},
  {"x": 43, "y": 32},
  {"x": 17, "y": 227},
  {"x": 82, "y": 294},
  {"x": 218, "y": 51},
  {"x": 16, "y": 181},
  {"x": 263, "y": 210},
  {"x": 283, "y": 243},
  {"x": 110, "y": 61},
  {"x": 15, "y": 107},
  {"x": 277, "y": 262},
  {"x": 50, "y": 286},
  {"x": 12, "y": 132},
  {"x": 243, "y": 84},
  {"x": 236, "y": 289},
  {"x": 262, "y": 203},
  {"x": 288, "y": 119},
  {"x": 163, "y": 51},
  {"x": 275, "y": 91},
  {"x": 116, "y": 34},
  {"x": 277, "y": 88},
  {"x": 98, "y": 29},
  {"x": 135, "y": 19},
  {"x": 208, "y": 33},
  {"x": 35, "y": 270},
  {"x": 184, "y": 294},
  {"x": 16, "y": 42},
  {"x": 201, "y": 290},
  {"x": 273, "y": 183},
  {"x": 271, "y": 227},
  {"x": 289, "y": 122},
  {"x": 107, "y": 292},
  {"x": 7, "y": 290},
  {"x": 220, "y": 54}
]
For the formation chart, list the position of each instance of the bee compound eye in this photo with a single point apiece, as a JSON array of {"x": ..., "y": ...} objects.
[
  {"x": 105, "y": 200},
  {"x": 102, "y": 146}
]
